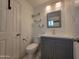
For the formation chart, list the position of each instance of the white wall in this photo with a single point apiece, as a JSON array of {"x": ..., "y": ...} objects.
[
  {"x": 67, "y": 19},
  {"x": 26, "y": 21}
]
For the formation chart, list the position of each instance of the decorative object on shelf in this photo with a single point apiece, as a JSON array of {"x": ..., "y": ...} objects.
[
  {"x": 9, "y": 6},
  {"x": 41, "y": 25},
  {"x": 54, "y": 19},
  {"x": 35, "y": 15},
  {"x": 39, "y": 20}
]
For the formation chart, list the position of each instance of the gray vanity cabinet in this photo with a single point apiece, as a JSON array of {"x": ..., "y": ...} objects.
[{"x": 56, "y": 48}]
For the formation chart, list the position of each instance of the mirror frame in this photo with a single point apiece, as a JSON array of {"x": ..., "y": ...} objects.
[{"x": 54, "y": 14}]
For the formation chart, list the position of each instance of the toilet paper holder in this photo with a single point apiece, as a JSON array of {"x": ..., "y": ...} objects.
[{"x": 24, "y": 39}]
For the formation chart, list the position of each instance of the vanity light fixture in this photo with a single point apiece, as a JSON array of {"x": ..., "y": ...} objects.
[
  {"x": 58, "y": 5},
  {"x": 76, "y": 1},
  {"x": 48, "y": 8}
]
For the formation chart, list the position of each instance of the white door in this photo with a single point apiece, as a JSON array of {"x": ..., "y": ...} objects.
[{"x": 11, "y": 44}]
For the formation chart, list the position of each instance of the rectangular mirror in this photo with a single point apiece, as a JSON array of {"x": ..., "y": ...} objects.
[{"x": 54, "y": 19}]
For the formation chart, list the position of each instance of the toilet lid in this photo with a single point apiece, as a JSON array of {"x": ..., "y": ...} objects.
[{"x": 32, "y": 46}]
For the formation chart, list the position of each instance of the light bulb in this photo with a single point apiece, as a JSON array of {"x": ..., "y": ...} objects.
[
  {"x": 48, "y": 8},
  {"x": 58, "y": 5}
]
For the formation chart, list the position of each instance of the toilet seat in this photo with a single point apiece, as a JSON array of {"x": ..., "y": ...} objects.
[
  {"x": 30, "y": 50},
  {"x": 32, "y": 46}
]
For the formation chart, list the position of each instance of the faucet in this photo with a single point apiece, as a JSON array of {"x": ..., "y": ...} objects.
[{"x": 53, "y": 32}]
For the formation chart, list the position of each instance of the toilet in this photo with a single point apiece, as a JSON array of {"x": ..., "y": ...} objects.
[
  {"x": 36, "y": 39},
  {"x": 30, "y": 49}
]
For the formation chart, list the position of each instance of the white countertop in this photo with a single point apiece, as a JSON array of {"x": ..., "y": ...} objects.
[{"x": 58, "y": 36}]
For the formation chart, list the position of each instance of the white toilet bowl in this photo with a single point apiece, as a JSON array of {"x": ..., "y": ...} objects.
[{"x": 30, "y": 49}]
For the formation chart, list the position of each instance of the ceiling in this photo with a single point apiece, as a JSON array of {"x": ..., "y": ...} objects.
[
  {"x": 76, "y": 2},
  {"x": 35, "y": 3}
]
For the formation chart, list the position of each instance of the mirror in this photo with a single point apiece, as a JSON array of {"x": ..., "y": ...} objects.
[{"x": 54, "y": 19}]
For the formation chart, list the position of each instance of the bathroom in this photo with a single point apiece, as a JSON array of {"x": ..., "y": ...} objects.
[{"x": 24, "y": 22}]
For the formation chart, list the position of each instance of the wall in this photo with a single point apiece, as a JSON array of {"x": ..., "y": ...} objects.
[
  {"x": 26, "y": 29},
  {"x": 67, "y": 19},
  {"x": 26, "y": 24}
]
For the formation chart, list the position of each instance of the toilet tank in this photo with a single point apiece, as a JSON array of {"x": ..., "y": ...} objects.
[{"x": 36, "y": 39}]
